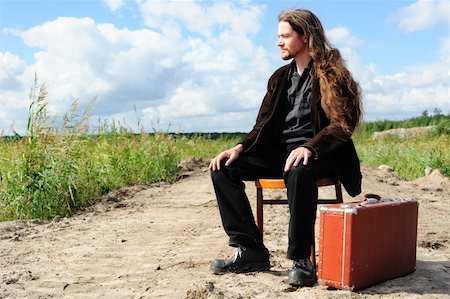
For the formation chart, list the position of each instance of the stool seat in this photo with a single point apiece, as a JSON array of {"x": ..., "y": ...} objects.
[
  {"x": 271, "y": 183},
  {"x": 279, "y": 183}
]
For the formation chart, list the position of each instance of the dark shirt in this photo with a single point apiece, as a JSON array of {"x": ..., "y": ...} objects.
[{"x": 297, "y": 128}]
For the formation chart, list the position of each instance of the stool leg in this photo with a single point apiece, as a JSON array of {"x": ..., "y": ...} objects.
[
  {"x": 313, "y": 251},
  {"x": 259, "y": 210},
  {"x": 338, "y": 189}
]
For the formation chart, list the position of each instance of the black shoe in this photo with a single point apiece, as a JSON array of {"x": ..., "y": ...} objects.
[
  {"x": 303, "y": 274},
  {"x": 245, "y": 259}
]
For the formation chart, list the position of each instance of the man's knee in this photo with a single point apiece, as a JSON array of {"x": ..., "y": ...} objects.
[
  {"x": 216, "y": 174},
  {"x": 224, "y": 171},
  {"x": 299, "y": 172}
]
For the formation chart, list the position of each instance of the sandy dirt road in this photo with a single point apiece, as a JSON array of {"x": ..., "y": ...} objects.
[{"x": 158, "y": 241}]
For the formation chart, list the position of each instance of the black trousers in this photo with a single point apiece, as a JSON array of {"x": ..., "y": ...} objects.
[{"x": 234, "y": 206}]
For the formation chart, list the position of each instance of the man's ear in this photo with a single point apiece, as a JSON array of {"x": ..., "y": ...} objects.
[
  {"x": 310, "y": 42},
  {"x": 305, "y": 39}
]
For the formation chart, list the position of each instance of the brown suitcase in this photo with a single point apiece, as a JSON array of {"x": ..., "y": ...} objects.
[{"x": 364, "y": 243}]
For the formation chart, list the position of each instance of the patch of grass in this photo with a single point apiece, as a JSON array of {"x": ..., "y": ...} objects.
[
  {"x": 201, "y": 146},
  {"x": 408, "y": 156}
]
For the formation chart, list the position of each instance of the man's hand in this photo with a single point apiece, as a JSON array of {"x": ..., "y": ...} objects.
[
  {"x": 296, "y": 156},
  {"x": 230, "y": 155}
]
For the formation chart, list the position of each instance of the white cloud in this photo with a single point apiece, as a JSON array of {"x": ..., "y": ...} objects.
[
  {"x": 13, "y": 92},
  {"x": 169, "y": 74},
  {"x": 227, "y": 71},
  {"x": 423, "y": 14},
  {"x": 404, "y": 102},
  {"x": 444, "y": 50},
  {"x": 341, "y": 36},
  {"x": 114, "y": 5},
  {"x": 10, "y": 64},
  {"x": 77, "y": 58},
  {"x": 201, "y": 19},
  {"x": 401, "y": 95},
  {"x": 11, "y": 67},
  {"x": 194, "y": 67},
  {"x": 418, "y": 87}
]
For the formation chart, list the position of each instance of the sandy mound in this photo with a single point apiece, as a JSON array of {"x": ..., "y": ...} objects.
[
  {"x": 404, "y": 133},
  {"x": 434, "y": 180}
]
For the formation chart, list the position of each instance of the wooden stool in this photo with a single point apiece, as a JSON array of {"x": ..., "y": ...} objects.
[{"x": 279, "y": 184}]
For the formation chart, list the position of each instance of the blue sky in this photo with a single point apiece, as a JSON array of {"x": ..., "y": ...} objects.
[{"x": 203, "y": 66}]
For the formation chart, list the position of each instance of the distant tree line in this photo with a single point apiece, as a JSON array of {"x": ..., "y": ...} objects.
[{"x": 436, "y": 118}]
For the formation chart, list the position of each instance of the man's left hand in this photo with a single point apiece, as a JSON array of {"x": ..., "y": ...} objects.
[{"x": 297, "y": 155}]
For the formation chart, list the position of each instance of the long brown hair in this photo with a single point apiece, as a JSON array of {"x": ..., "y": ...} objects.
[{"x": 341, "y": 94}]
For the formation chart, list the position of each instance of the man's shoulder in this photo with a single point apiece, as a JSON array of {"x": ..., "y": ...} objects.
[
  {"x": 279, "y": 72},
  {"x": 283, "y": 69}
]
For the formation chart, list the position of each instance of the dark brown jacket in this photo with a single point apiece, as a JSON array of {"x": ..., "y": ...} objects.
[{"x": 329, "y": 138}]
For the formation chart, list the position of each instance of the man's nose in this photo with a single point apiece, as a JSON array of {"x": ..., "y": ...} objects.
[{"x": 280, "y": 42}]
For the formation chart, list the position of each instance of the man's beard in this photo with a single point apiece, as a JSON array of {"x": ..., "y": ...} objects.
[{"x": 288, "y": 57}]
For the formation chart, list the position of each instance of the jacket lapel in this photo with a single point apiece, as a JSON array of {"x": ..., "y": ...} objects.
[{"x": 281, "y": 86}]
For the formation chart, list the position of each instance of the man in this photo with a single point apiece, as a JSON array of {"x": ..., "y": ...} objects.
[{"x": 302, "y": 133}]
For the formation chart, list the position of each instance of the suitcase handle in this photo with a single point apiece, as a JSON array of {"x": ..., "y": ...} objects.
[{"x": 372, "y": 198}]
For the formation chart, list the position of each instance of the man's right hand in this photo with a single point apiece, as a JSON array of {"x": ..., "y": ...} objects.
[{"x": 230, "y": 155}]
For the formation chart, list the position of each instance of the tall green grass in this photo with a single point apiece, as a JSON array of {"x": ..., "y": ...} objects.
[{"x": 55, "y": 170}]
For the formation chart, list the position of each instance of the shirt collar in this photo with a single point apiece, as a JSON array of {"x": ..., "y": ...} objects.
[{"x": 307, "y": 69}]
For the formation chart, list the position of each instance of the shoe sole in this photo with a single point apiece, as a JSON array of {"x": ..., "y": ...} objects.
[
  {"x": 303, "y": 283},
  {"x": 250, "y": 267}
]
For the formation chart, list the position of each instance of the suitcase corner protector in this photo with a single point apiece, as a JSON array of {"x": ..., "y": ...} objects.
[
  {"x": 324, "y": 209},
  {"x": 335, "y": 284}
]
